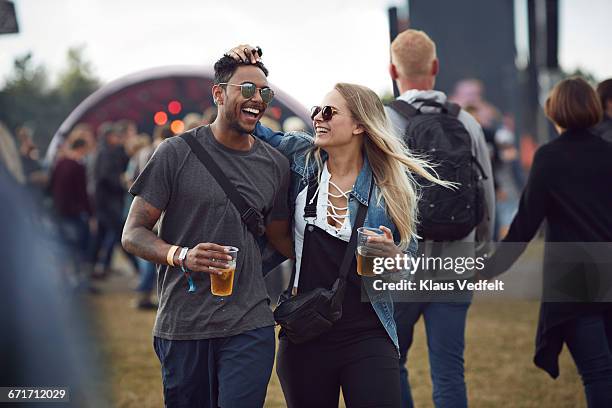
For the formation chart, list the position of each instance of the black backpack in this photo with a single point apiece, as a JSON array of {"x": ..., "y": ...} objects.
[{"x": 445, "y": 214}]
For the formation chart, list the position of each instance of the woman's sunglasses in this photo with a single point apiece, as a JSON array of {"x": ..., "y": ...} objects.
[
  {"x": 248, "y": 90},
  {"x": 327, "y": 112}
]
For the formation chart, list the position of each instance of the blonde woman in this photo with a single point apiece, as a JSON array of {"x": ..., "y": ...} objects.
[{"x": 353, "y": 149}]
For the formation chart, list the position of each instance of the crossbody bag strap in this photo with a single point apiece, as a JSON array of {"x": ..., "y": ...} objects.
[{"x": 249, "y": 215}]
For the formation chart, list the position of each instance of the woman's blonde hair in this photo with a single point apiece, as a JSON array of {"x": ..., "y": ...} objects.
[{"x": 391, "y": 162}]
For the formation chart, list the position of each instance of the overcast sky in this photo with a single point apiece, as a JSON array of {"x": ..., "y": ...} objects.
[{"x": 308, "y": 45}]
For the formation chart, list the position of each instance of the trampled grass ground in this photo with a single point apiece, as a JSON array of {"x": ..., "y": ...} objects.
[{"x": 499, "y": 371}]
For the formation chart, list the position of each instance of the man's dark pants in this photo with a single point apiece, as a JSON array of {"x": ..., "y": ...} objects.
[
  {"x": 445, "y": 329},
  {"x": 227, "y": 372}
]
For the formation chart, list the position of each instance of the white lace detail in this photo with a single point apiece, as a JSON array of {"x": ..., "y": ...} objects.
[{"x": 333, "y": 212}]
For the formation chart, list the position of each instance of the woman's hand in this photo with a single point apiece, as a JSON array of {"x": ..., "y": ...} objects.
[
  {"x": 245, "y": 53},
  {"x": 383, "y": 245}
]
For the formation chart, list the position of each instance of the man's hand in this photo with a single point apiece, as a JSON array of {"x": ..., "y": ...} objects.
[
  {"x": 245, "y": 53},
  {"x": 205, "y": 257}
]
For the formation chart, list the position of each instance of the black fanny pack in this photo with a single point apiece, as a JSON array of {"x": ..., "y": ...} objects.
[{"x": 306, "y": 316}]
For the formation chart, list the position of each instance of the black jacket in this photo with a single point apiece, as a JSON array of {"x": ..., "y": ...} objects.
[
  {"x": 570, "y": 186},
  {"x": 604, "y": 128},
  {"x": 109, "y": 195}
]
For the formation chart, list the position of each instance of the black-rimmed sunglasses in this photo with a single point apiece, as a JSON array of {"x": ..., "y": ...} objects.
[
  {"x": 248, "y": 90},
  {"x": 327, "y": 112}
]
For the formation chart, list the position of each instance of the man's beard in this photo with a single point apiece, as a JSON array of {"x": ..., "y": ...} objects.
[{"x": 234, "y": 124}]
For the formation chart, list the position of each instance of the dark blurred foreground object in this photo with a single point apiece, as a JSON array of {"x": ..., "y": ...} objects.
[
  {"x": 8, "y": 19},
  {"x": 45, "y": 340}
]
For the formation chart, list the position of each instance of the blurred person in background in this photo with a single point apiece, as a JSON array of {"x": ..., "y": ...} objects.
[
  {"x": 209, "y": 115},
  {"x": 569, "y": 188},
  {"x": 79, "y": 131},
  {"x": 492, "y": 147},
  {"x": 134, "y": 149},
  {"x": 271, "y": 123},
  {"x": 9, "y": 156},
  {"x": 109, "y": 193},
  {"x": 127, "y": 130},
  {"x": 160, "y": 133},
  {"x": 68, "y": 186},
  {"x": 294, "y": 124},
  {"x": 470, "y": 92},
  {"x": 85, "y": 132},
  {"x": 36, "y": 176},
  {"x": 508, "y": 175},
  {"x": 192, "y": 120},
  {"x": 147, "y": 270},
  {"x": 604, "y": 128},
  {"x": 140, "y": 151},
  {"x": 414, "y": 67}
]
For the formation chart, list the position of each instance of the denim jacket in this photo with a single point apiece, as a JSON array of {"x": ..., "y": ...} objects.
[{"x": 295, "y": 145}]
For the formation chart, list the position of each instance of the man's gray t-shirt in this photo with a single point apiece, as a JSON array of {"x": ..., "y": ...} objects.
[{"x": 195, "y": 210}]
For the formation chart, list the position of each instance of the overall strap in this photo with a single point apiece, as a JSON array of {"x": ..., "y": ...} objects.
[
  {"x": 352, "y": 245},
  {"x": 310, "y": 209},
  {"x": 349, "y": 254}
]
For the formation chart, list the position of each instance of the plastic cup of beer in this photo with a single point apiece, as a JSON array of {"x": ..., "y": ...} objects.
[
  {"x": 365, "y": 255},
  {"x": 223, "y": 283}
]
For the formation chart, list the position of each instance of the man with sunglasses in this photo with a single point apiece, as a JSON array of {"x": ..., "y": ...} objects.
[{"x": 214, "y": 351}]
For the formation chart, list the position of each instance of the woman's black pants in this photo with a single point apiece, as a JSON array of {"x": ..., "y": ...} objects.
[{"x": 366, "y": 369}]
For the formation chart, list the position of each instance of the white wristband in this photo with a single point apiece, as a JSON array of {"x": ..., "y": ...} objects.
[{"x": 182, "y": 257}]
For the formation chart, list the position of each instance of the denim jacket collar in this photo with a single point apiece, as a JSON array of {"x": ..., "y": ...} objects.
[{"x": 361, "y": 188}]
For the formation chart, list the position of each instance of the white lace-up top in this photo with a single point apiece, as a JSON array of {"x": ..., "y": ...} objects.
[{"x": 325, "y": 209}]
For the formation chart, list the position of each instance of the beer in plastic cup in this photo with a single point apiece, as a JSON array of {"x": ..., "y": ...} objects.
[
  {"x": 365, "y": 258},
  {"x": 223, "y": 284}
]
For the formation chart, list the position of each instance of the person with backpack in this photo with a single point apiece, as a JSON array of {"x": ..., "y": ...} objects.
[{"x": 452, "y": 222}]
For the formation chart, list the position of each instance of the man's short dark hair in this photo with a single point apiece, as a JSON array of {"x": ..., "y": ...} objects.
[
  {"x": 227, "y": 66},
  {"x": 604, "y": 90}
]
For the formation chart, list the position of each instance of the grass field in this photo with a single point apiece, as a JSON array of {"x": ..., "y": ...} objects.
[{"x": 499, "y": 371}]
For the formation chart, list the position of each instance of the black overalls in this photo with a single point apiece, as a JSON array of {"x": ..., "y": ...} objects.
[{"x": 356, "y": 353}]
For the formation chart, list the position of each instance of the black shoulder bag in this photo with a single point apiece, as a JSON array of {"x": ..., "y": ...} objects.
[
  {"x": 251, "y": 217},
  {"x": 306, "y": 316}
]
